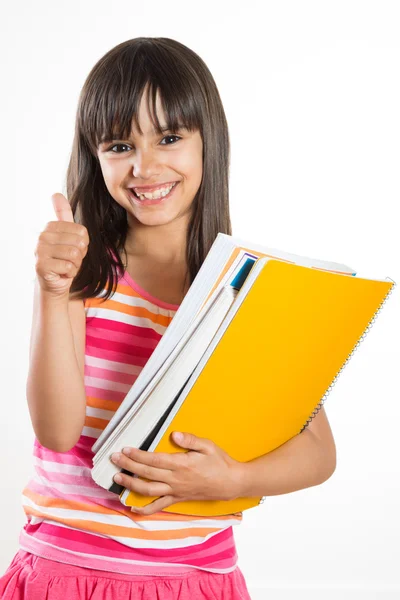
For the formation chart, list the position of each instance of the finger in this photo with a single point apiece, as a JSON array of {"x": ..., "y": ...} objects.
[
  {"x": 53, "y": 237},
  {"x": 62, "y": 208},
  {"x": 138, "y": 468},
  {"x": 158, "y": 460},
  {"x": 59, "y": 267},
  {"x": 156, "y": 505},
  {"x": 192, "y": 442},
  {"x": 145, "y": 488}
]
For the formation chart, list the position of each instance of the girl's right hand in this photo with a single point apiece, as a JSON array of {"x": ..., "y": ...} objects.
[{"x": 60, "y": 250}]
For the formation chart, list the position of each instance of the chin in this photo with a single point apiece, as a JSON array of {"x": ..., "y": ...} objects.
[
  {"x": 155, "y": 219},
  {"x": 159, "y": 218}
]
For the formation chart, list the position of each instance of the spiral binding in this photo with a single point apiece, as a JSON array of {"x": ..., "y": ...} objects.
[{"x": 362, "y": 338}]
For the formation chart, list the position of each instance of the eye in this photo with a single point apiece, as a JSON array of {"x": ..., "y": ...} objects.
[
  {"x": 117, "y": 146},
  {"x": 169, "y": 137}
]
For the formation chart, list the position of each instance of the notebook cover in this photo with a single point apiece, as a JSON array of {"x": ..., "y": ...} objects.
[{"x": 285, "y": 346}]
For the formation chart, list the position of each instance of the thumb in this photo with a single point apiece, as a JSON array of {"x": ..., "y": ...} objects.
[
  {"x": 62, "y": 208},
  {"x": 191, "y": 441}
]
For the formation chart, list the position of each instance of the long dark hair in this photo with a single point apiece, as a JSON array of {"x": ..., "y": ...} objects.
[{"x": 109, "y": 100}]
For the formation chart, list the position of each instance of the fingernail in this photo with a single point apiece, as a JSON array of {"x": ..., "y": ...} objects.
[
  {"x": 116, "y": 456},
  {"x": 118, "y": 478}
]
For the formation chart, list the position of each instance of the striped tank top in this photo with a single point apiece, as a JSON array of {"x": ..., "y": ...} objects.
[{"x": 69, "y": 518}]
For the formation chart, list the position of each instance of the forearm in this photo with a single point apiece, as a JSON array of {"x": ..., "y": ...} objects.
[
  {"x": 303, "y": 461},
  {"x": 55, "y": 388}
]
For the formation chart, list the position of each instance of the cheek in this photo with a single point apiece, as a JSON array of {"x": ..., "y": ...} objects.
[
  {"x": 192, "y": 168},
  {"x": 197, "y": 173},
  {"x": 106, "y": 172},
  {"x": 110, "y": 174}
]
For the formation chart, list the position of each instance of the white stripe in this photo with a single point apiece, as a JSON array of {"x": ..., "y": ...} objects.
[
  {"x": 79, "y": 490},
  {"x": 56, "y": 467},
  {"x": 182, "y": 543},
  {"x": 91, "y": 432},
  {"x": 129, "y": 301},
  {"x": 125, "y": 521},
  {"x": 100, "y": 413},
  {"x": 111, "y": 365},
  {"x": 82, "y": 471},
  {"x": 105, "y": 384},
  {"x": 119, "y": 317}
]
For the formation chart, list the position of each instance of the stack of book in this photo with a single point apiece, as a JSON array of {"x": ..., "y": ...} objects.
[{"x": 247, "y": 361}]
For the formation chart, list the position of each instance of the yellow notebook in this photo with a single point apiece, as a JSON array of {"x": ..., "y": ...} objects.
[{"x": 268, "y": 372}]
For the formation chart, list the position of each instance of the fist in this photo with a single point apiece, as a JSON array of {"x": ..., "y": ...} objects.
[{"x": 60, "y": 250}]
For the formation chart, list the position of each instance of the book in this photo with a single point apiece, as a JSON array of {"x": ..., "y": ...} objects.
[
  {"x": 267, "y": 372},
  {"x": 154, "y": 402},
  {"x": 206, "y": 304},
  {"x": 228, "y": 262}
]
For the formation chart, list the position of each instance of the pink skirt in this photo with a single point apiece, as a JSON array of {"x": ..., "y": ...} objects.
[{"x": 31, "y": 577}]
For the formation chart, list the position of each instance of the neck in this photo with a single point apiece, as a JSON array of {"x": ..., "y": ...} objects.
[{"x": 160, "y": 243}]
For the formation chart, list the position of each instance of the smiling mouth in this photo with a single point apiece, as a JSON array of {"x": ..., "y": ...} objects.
[
  {"x": 155, "y": 193},
  {"x": 143, "y": 201}
]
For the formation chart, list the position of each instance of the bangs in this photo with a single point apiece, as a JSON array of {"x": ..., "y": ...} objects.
[
  {"x": 177, "y": 83},
  {"x": 111, "y": 98}
]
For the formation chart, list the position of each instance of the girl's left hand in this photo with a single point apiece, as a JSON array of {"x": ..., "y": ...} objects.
[{"x": 206, "y": 472}]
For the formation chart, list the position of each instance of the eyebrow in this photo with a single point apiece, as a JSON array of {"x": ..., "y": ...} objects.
[{"x": 118, "y": 136}]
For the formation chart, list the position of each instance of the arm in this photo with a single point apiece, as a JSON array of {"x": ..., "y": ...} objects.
[
  {"x": 207, "y": 472},
  {"x": 55, "y": 386},
  {"x": 306, "y": 460}
]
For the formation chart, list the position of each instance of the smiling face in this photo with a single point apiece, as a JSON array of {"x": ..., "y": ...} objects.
[{"x": 152, "y": 160}]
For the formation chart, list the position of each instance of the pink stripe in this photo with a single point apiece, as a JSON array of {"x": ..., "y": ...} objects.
[
  {"x": 117, "y": 336},
  {"x": 105, "y": 394},
  {"x": 57, "y": 457},
  {"x": 103, "y": 501},
  {"x": 226, "y": 556},
  {"x": 147, "y": 296},
  {"x": 128, "y": 368},
  {"x": 114, "y": 505},
  {"x": 68, "y": 479},
  {"x": 218, "y": 547},
  {"x": 126, "y": 359},
  {"x": 86, "y": 442},
  {"x": 108, "y": 375},
  {"x": 109, "y": 500},
  {"x": 30, "y": 544},
  {"x": 142, "y": 333},
  {"x": 109, "y": 345},
  {"x": 75, "y": 456}
]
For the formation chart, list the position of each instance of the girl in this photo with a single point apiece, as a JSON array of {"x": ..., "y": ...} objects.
[{"x": 148, "y": 192}]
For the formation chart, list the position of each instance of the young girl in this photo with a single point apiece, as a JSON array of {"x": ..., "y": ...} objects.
[{"x": 148, "y": 192}]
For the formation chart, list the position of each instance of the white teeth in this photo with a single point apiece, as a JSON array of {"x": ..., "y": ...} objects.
[{"x": 160, "y": 193}]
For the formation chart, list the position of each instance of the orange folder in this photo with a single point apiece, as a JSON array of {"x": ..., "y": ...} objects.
[{"x": 270, "y": 366}]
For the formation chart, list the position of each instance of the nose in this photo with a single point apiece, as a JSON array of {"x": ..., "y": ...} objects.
[{"x": 145, "y": 164}]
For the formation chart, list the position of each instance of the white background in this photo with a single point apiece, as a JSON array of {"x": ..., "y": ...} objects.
[{"x": 312, "y": 94}]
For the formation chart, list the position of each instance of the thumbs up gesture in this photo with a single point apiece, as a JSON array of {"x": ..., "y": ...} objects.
[{"x": 60, "y": 250}]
